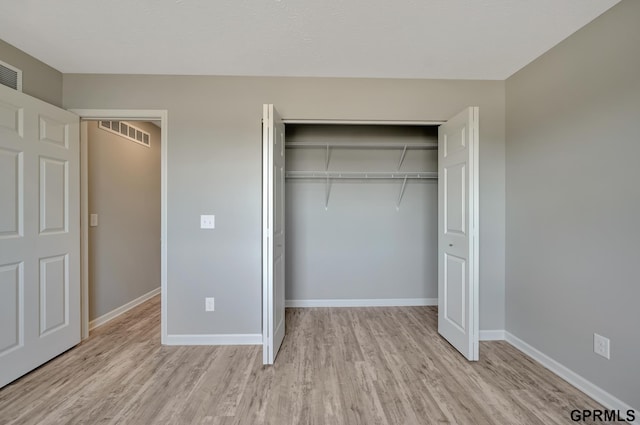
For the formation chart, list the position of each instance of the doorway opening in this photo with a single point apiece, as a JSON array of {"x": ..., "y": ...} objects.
[
  {"x": 362, "y": 232},
  {"x": 124, "y": 216},
  {"x": 113, "y": 189},
  {"x": 324, "y": 258}
]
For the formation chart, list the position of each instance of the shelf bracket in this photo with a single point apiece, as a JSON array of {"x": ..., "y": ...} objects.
[
  {"x": 404, "y": 184},
  {"x": 404, "y": 152},
  {"x": 327, "y": 193},
  {"x": 328, "y": 157}
]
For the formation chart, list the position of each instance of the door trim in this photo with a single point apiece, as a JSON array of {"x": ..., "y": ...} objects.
[
  {"x": 476, "y": 225},
  {"x": 474, "y": 202},
  {"x": 124, "y": 115}
]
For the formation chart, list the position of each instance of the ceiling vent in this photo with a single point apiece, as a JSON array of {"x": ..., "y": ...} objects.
[
  {"x": 10, "y": 76},
  {"x": 127, "y": 130}
]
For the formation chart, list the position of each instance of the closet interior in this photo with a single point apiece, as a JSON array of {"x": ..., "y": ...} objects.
[{"x": 361, "y": 214}]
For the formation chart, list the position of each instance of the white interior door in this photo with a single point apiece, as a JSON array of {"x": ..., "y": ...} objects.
[
  {"x": 458, "y": 232},
  {"x": 39, "y": 233},
  {"x": 273, "y": 233}
]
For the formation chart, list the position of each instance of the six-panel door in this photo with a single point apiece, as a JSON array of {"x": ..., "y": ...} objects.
[
  {"x": 457, "y": 232},
  {"x": 39, "y": 233}
]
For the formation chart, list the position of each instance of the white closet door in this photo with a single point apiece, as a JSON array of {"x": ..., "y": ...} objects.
[
  {"x": 273, "y": 233},
  {"x": 39, "y": 233},
  {"x": 458, "y": 232}
]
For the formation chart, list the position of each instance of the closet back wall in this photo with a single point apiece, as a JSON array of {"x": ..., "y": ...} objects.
[{"x": 361, "y": 246}]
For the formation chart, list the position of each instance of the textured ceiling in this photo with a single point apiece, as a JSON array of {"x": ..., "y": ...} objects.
[{"x": 457, "y": 39}]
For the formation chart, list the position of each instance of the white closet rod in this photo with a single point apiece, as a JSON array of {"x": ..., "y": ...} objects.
[
  {"x": 362, "y": 145},
  {"x": 420, "y": 123},
  {"x": 362, "y": 175}
]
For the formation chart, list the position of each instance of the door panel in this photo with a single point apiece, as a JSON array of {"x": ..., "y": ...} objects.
[
  {"x": 455, "y": 203},
  {"x": 53, "y": 131},
  {"x": 53, "y": 195},
  {"x": 11, "y": 118},
  {"x": 454, "y": 282},
  {"x": 455, "y": 143},
  {"x": 54, "y": 284},
  {"x": 11, "y": 178},
  {"x": 11, "y": 289},
  {"x": 278, "y": 249},
  {"x": 458, "y": 232},
  {"x": 39, "y": 233},
  {"x": 273, "y": 226}
]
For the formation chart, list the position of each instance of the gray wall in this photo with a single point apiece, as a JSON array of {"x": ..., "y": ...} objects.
[
  {"x": 573, "y": 202},
  {"x": 361, "y": 246},
  {"x": 38, "y": 79},
  {"x": 214, "y": 166},
  {"x": 124, "y": 190}
]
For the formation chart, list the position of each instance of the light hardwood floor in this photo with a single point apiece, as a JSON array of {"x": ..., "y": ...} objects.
[{"x": 336, "y": 366}]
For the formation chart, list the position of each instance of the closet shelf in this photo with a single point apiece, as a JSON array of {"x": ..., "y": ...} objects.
[
  {"x": 362, "y": 175},
  {"x": 327, "y": 146},
  {"x": 362, "y": 145},
  {"x": 329, "y": 176}
]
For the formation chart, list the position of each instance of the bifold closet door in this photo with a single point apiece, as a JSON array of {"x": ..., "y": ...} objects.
[
  {"x": 458, "y": 232},
  {"x": 39, "y": 233},
  {"x": 273, "y": 320}
]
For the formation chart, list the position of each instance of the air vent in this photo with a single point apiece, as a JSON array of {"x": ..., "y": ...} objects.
[
  {"x": 10, "y": 76},
  {"x": 126, "y": 130}
]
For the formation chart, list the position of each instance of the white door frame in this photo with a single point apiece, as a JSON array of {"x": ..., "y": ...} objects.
[
  {"x": 475, "y": 275},
  {"x": 122, "y": 115}
]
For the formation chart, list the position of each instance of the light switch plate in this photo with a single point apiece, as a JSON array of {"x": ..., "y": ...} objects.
[
  {"x": 93, "y": 220},
  {"x": 210, "y": 304},
  {"x": 207, "y": 221}
]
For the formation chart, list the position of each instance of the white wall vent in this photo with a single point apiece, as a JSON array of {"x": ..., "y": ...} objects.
[
  {"x": 126, "y": 130},
  {"x": 10, "y": 76}
]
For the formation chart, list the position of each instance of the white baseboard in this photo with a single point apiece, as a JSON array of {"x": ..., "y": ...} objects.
[
  {"x": 215, "y": 339},
  {"x": 492, "y": 335},
  {"x": 122, "y": 309},
  {"x": 587, "y": 387},
  {"x": 388, "y": 302}
]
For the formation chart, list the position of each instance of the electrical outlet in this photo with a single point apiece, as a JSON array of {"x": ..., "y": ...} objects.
[
  {"x": 209, "y": 304},
  {"x": 207, "y": 221},
  {"x": 601, "y": 346}
]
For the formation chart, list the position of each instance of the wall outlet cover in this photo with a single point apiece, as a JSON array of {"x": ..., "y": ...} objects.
[
  {"x": 207, "y": 221},
  {"x": 601, "y": 346}
]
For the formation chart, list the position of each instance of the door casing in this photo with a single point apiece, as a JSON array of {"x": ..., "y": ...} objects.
[
  {"x": 475, "y": 200},
  {"x": 122, "y": 115}
]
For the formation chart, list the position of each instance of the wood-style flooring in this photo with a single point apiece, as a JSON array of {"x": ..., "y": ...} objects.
[{"x": 336, "y": 366}]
